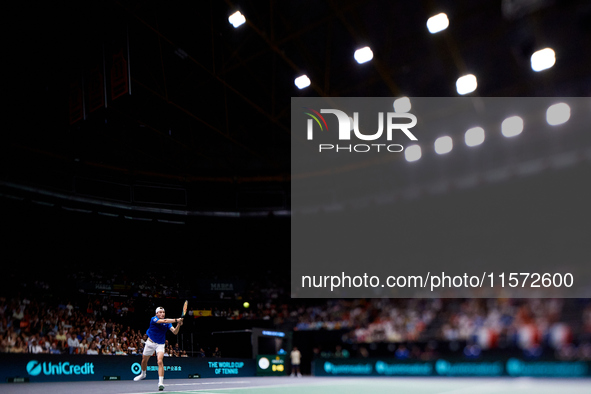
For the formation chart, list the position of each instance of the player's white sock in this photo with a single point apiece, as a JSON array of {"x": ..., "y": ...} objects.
[{"x": 160, "y": 379}]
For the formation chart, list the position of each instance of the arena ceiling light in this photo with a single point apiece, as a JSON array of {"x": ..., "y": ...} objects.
[
  {"x": 363, "y": 55},
  {"x": 412, "y": 153},
  {"x": 437, "y": 23},
  {"x": 466, "y": 84},
  {"x": 237, "y": 19},
  {"x": 474, "y": 136},
  {"x": 402, "y": 104},
  {"x": 512, "y": 126},
  {"x": 543, "y": 59},
  {"x": 558, "y": 114},
  {"x": 443, "y": 145},
  {"x": 302, "y": 81}
]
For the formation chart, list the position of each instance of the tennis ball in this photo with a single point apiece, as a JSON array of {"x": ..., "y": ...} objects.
[{"x": 246, "y": 305}]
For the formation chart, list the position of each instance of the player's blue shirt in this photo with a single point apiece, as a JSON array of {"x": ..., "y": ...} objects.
[{"x": 157, "y": 331}]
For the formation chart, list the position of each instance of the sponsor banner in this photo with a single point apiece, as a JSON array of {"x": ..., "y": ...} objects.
[
  {"x": 443, "y": 367},
  {"x": 563, "y": 369},
  {"x": 58, "y": 368},
  {"x": 227, "y": 286}
]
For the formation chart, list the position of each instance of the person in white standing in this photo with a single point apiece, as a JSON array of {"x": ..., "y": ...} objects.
[{"x": 296, "y": 358}]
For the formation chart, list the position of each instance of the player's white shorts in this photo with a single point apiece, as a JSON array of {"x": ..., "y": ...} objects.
[{"x": 150, "y": 347}]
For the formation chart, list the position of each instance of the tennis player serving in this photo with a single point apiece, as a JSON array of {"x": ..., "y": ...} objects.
[{"x": 155, "y": 343}]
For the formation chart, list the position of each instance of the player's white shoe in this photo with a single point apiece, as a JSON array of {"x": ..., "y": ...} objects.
[
  {"x": 139, "y": 377},
  {"x": 160, "y": 386}
]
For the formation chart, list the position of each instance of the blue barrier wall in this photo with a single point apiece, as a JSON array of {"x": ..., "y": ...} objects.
[
  {"x": 59, "y": 368},
  {"x": 446, "y": 367}
]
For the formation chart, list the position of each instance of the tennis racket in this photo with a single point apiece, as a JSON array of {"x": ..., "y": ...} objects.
[{"x": 185, "y": 306}]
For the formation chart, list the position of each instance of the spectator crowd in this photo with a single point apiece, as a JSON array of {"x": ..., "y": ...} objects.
[
  {"x": 32, "y": 326},
  {"x": 99, "y": 322}
]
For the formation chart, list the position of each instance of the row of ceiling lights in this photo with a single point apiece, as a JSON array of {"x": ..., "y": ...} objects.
[
  {"x": 556, "y": 114},
  {"x": 540, "y": 60}
]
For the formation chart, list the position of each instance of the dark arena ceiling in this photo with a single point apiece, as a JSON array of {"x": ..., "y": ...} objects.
[{"x": 165, "y": 108}]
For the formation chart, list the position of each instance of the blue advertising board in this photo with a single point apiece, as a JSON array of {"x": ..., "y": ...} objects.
[
  {"x": 57, "y": 368},
  {"x": 443, "y": 367}
]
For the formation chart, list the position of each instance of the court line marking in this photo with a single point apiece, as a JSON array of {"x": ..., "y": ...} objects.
[
  {"x": 198, "y": 383},
  {"x": 493, "y": 387},
  {"x": 192, "y": 384},
  {"x": 241, "y": 388},
  {"x": 307, "y": 384}
]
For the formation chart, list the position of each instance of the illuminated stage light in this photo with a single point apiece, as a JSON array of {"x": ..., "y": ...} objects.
[
  {"x": 302, "y": 81},
  {"x": 466, "y": 84},
  {"x": 237, "y": 19},
  {"x": 363, "y": 55},
  {"x": 437, "y": 23},
  {"x": 412, "y": 153},
  {"x": 474, "y": 136},
  {"x": 443, "y": 145},
  {"x": 402, "y": 104},
  {"x": 543, "y": 59},
  {"x": 558, "y": 114},
  {"x": 512, "y": 126}
]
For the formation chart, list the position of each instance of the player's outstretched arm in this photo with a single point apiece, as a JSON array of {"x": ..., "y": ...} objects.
[
  {"x": 169, "y": 320},
  {"x": 176, "y": 329}
]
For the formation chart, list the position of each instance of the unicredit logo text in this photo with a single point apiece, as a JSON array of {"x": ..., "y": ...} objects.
[
  {"x": 35, "y": 368},
  {"x": 349, "y": 126}
]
